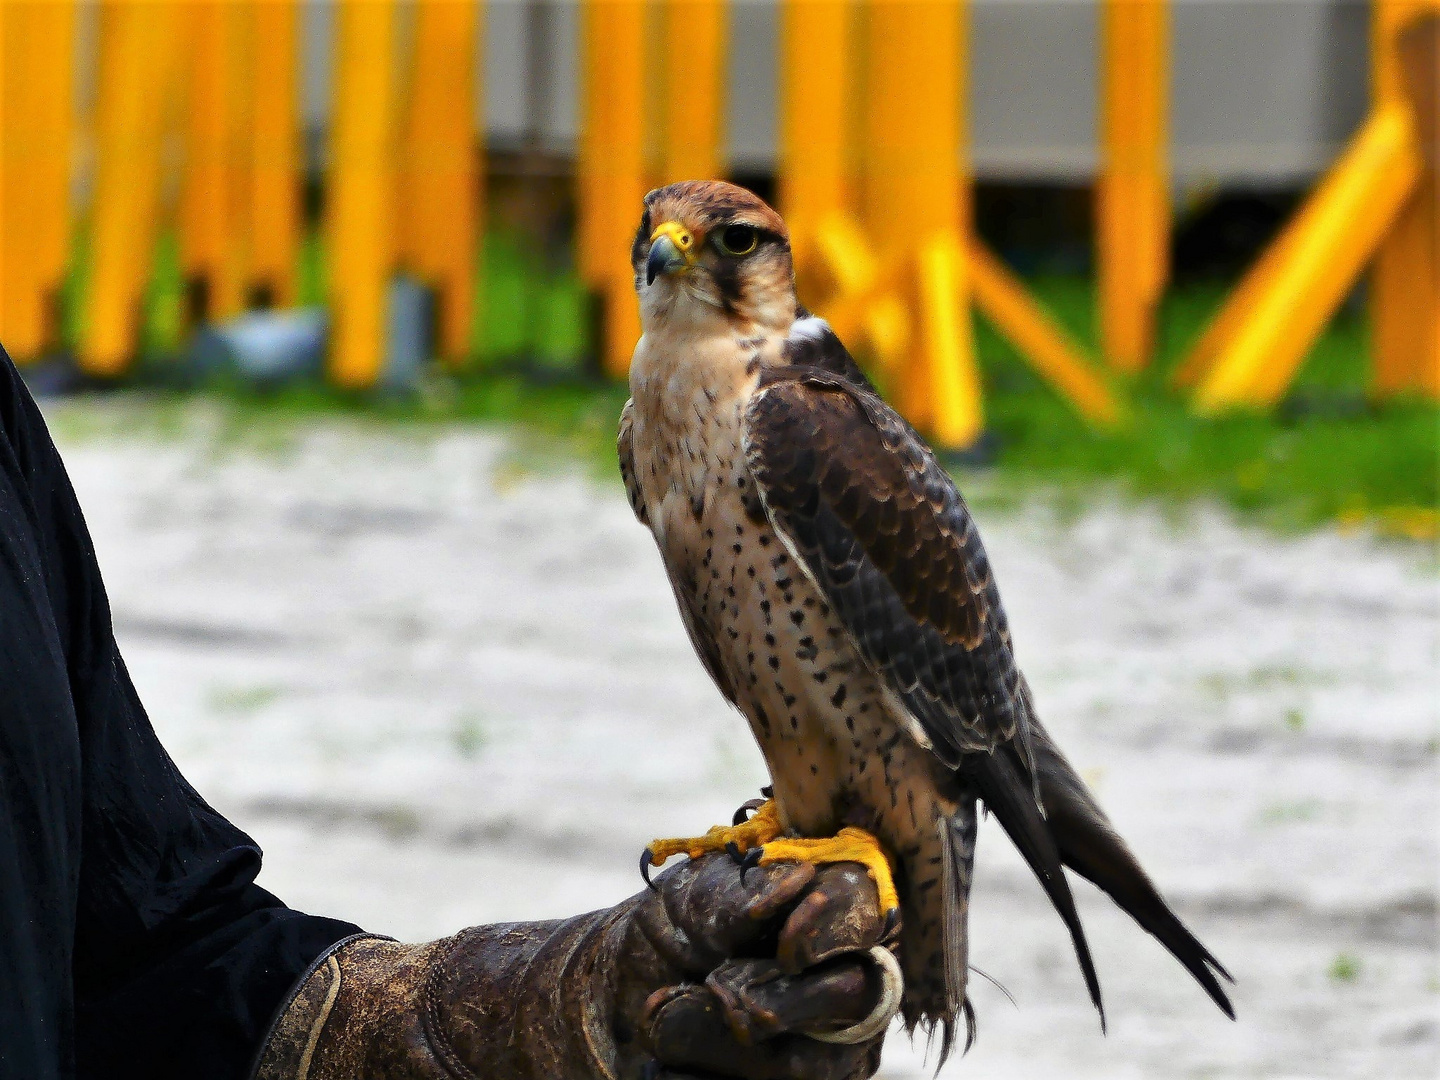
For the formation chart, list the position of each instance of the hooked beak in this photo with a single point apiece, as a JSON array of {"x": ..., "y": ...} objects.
[{"x": 671, "y": 251}]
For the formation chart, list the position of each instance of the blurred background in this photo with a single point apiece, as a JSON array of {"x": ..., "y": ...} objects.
[{"x": 329, "y": 305}]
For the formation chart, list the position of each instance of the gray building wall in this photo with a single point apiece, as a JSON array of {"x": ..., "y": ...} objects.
[{"x": 1263, "y": 92}]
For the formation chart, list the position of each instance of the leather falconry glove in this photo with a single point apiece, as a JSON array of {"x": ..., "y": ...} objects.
[{"x": 777, "y": 977}]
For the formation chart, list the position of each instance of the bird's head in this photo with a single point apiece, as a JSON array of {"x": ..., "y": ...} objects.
[{"x": 710, "y": 251}]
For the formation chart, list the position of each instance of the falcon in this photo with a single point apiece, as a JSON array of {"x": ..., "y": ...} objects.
[{"x": 834, "y": 585}]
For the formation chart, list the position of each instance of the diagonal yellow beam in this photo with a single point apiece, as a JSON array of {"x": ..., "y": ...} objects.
[
  {"x": 1043, "y": 344},
  {"x": 1335, "y": 234},
  {"x": 865, "y": 302},
  {"x": 1236, "y": 308}
]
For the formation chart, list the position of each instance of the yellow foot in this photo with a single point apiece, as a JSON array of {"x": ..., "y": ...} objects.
[
  {"x": 850, "y": 844},
  {"x": 759, "y": 842},
  {"x": 739, "y": 839}
]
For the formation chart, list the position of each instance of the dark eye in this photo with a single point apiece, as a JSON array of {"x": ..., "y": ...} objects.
[{"x": 739, "y": 239}]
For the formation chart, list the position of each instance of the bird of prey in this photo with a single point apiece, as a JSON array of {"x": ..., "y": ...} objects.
[{"x": 835, "y": 587}]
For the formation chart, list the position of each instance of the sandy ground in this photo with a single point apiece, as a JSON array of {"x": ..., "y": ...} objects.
[{"x": 442, "y": 686}]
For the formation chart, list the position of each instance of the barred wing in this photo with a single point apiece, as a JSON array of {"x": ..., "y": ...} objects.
[{"x": 880, "y": 528}]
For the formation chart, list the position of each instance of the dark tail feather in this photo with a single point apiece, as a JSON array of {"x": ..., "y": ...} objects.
[
  {"x": 957, "y": 846},
  {"x": 1001, "y": 782},
  {"x": 1090, "y": 846}
]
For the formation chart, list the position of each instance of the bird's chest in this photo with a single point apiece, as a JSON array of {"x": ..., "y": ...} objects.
[
  {"x": 816, "y": 710},
  {"x": 822, "y": 719},
  {"x": 691, "y": 463}
]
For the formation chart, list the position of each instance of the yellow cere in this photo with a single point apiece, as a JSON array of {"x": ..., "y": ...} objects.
[{"x": 678, "y": 234}]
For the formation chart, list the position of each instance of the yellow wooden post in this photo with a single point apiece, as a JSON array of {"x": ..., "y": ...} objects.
[
  {"x": 275, "y": 172},
  {"x": 694, "y": 93},
  {"x": 362, "y": 174},
  {"x": 1334, "y": 236},
  {"x": 214, "y": 219},
  {"x": 816, "y": 166},
  {"x": 36, "y": 129},
  {"x": 441, "y": 178},
  {"x": 592, "y": 167},
  {"x": 817, "y": 45},
  {"x": 946, "y": 346},
  {"x": 836, "y": 270},
  {"x": 1132, "y": 212},
  {"x": 912, "y": 171},
  {"x": 916, "y": 199},
  {"x": 138, "y": 62},
  {"x": 1405, "y": 284},
  {"x": 1362, "y": 207},
  {"x": 611, "y": 168}
]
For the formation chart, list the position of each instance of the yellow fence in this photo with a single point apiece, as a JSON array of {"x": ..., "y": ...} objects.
[
  {"x": 880, "y": 212},
  {"x": 1377, "y": 206},
  {"x": 873, "y": 177}
]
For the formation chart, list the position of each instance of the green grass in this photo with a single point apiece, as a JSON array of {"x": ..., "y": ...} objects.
[
  {"x": 1329, "y": 455},
  {"x": 576, "y": 418}
]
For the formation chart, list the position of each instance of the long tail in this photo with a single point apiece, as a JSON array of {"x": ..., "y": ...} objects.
[
  {"x": 1090, "y": 846},
  {"x": 957, "y": 846},
  {"x": 1001, "y": 780}
]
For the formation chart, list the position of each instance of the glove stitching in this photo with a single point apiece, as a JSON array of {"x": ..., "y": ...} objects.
[{"x": 435, "y": 1039}]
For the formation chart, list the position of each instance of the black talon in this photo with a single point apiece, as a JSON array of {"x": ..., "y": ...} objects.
[
  {"x": 733, "y": 850},
  {"x": 768, "y": 791},
  {"x": 892, "y": 920},
  {"x": 752, "y": 858},
  {"x": 645, "y": 863},
  {"x": 743, "y": 814}
]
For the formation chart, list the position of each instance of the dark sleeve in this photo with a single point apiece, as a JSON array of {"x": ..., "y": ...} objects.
[{"x": 179, "y": 958}]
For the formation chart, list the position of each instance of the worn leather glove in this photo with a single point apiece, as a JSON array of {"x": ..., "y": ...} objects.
[{"x": 705, "y": 976}]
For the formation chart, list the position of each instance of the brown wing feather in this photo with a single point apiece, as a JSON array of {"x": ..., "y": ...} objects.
[
  {"x": 625, "y": 449},
  {"x": 879, "y": 525}
]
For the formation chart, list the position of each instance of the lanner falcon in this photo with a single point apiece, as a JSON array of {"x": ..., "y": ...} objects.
[{"x": 834, "y": 585}]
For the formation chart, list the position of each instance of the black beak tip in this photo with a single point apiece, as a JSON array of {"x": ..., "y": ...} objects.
[{"x": 654, "y": 265}]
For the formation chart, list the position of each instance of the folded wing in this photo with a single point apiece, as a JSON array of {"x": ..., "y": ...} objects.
[{"x": 879, "y": 527}]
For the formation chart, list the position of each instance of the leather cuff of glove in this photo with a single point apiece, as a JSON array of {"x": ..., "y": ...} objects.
[{"x": 521, "y": 1000}]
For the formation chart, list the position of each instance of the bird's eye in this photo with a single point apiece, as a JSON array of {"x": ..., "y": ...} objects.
[{"x": 739, "y": 239}]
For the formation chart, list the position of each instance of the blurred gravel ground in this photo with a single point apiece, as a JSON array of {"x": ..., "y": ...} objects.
[{"x": 444, "y": 683}]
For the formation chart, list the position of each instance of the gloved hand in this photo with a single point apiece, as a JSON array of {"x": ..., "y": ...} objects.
[{"x": 705, "y": 975}]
